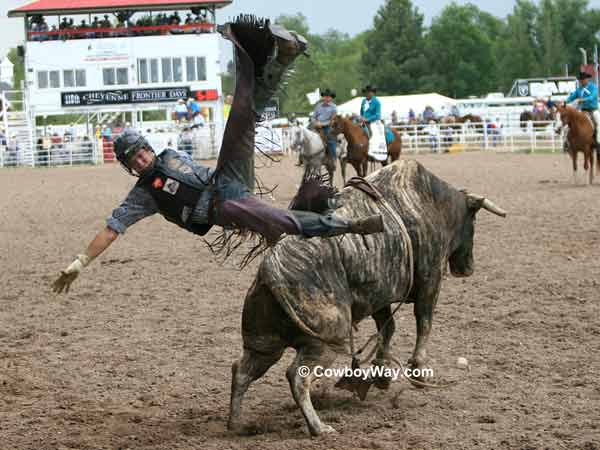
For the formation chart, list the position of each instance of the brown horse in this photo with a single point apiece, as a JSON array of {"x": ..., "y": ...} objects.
[
  {"x": 580, "y": 138},
  {"x": 358, "y": 145},
  {"x": 537, "y": 117}
]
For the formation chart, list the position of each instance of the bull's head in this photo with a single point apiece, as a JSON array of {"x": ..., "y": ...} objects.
[{"x": 461, "y": 259}]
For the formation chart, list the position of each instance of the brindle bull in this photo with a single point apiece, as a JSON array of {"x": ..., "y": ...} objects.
[{"x": 309, "y": 292}]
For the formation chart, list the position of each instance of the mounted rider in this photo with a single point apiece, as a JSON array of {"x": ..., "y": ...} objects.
[
  {"x": 321, "y": 120},
  {"x": 586, "y": 97},
  {"x": 370, "y": 108}
]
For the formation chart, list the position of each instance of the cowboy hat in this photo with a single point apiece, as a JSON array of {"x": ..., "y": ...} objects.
[
  {"x": 369, "y": 88},
  {"x": 583, "y": 75},
  {"x": 327, "y": 92}
]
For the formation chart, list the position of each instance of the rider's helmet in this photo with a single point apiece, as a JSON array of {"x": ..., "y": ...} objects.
[{"x": 127, "y": 145}]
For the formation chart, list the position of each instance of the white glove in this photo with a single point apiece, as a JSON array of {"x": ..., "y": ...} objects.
[{"x": 67, "y": 276}]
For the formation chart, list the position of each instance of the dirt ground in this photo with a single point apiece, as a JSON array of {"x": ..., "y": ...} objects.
[{"x": 138, "y": 354}]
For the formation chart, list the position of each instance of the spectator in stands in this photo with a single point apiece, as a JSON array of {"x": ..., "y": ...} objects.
[
  {"x": 433, "y": 132},
  {"x": 411, "y": 116},
  {"x": 181, "y": 110},
  {"x": 394, "y": 117},
  {"x": 428, "y": 114},
  {"x": 106, "y": 133},
  {"x": 127, "y": 128},
  {"x": 106, "y": 22},
  {"x": 199, "y": 120},
  {"x": 41, "y": 152},
  {"x": 193, "y": 108},
  {"x": 185, "y": 141}
]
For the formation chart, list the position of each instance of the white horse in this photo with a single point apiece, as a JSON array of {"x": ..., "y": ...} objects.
[{"x": 311, "y": 151}]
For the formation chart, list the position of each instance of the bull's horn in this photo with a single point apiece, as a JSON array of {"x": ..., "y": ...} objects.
[{"x": 487, "y": 204}]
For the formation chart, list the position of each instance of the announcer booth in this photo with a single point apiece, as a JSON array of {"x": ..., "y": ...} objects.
[{"x": 107, "y": 59}]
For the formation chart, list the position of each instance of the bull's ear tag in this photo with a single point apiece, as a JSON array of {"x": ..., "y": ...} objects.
[{"x": 171, "y": 186}]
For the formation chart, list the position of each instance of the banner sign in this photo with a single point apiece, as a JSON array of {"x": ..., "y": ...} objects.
[
  {"x": 123, "y": 96},
  {"x": 271, "y": 110}
]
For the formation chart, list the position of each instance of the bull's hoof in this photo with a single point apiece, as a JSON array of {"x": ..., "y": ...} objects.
[
  {"x": 235, "y": 427},
  {"x": 323, "y": 429},
  {"x": 415, "y": 373},
  {"x": 356, "y": 385},
  {"x": 382, "y": 382}
]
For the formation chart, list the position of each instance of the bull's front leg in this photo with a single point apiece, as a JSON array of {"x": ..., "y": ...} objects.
[
  {"x": 424, "y": 305},
  {"x": 386, "y": 327}
]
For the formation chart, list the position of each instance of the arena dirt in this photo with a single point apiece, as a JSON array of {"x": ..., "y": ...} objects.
[{"x": 138, "y": 354}]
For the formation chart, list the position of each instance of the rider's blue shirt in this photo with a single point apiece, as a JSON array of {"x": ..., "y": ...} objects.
[
  {"x": 588, "y": 93},
  {"x": 370, "y": 109}
]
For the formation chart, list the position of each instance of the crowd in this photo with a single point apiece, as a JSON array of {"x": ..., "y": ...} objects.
[{"x": 120, "y": 26}]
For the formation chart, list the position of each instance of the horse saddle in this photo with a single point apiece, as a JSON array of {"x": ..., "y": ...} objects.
[{"x": 389, "y": 136}]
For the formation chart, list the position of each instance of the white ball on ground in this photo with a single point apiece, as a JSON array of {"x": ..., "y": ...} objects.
[{"x": 462, "y": 363}]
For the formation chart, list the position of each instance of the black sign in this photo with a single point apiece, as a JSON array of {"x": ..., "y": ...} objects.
[
  {"x": 124, "y": 96},
  {"x": 271, "y": 110}
]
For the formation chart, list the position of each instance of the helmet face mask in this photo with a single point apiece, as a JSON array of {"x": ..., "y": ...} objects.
[{"x": 126, "y": 146}]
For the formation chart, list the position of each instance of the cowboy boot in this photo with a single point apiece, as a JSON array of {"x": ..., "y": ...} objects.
[
  {"x": 313, "y": 224},
  {"x": 288, "y": 45}
]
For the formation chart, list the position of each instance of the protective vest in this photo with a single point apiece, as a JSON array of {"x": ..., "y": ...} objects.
[{"x": 176, "y": 185}]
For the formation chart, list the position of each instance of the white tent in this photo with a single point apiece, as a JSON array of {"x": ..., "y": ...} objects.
[{"x": 401, "y": 104}]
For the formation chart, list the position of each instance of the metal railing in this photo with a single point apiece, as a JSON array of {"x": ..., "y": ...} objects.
[
  {"x": 512, "y": 137},
  {"x": 508, "y": 137}
]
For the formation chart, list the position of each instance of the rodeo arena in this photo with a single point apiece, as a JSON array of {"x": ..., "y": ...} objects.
[{"x": 298, "y": 279}]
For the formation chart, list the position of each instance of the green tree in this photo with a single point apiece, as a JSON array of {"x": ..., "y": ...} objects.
[
  {"x": 334, "y": 62},
  {"x": 516, "y": 47},
  {"x": 19, "y": 67},
  {"x": 394, "y": 57},
  {"x": 461, "y": 49},
  {"x": 552, "y": 48},
  {"x": 578, "y": 27}
]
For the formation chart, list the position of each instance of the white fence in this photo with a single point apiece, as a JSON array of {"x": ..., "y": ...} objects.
[
  {"x": 204, "y": 143},
  {"x": 532, "y": 137}
]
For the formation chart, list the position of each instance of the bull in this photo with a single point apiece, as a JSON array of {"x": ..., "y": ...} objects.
[{"x": 308, "y": 293}]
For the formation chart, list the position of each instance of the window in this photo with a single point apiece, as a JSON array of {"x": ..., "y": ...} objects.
[
  {"x": 167, "y": 74},
  {"x": 201, "y": 62},
  {"x": 154, "y": 70},
  {"x": 72, "y": 78},
  {"x": 42, "y": 79},
  {"x": 122, "y": 75},
  {"x": 108, "y": 76},
  {"x": 80, "y": 79},
  {"x": 68, "y": 78},
  {"x": 143, "y": 71},
  {"x": 190, "y": 68},
  {"x": 112, "y": 76},
  {"x": 54, "y": 76},
  {"x": 177, "y": 70},
  {"x": 195, "y": 68}
]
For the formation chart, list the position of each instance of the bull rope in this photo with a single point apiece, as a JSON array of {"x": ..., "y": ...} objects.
[{"x": 379, "y": 199}]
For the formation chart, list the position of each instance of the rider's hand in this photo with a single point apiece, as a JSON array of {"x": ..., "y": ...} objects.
[{"x": 67, "y": 276}]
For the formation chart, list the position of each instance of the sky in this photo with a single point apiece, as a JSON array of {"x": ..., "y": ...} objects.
[{"x": 348, "y": 16}]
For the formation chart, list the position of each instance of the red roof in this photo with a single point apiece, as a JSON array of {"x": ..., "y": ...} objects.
[{"x": 54, "y": 7}]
